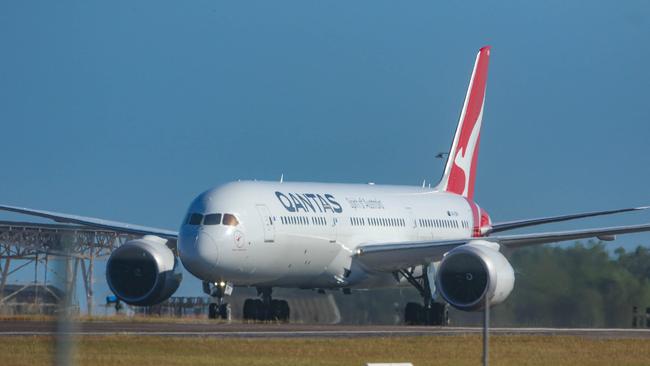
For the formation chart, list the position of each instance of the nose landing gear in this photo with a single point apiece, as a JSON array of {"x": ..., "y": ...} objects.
[
  {"x": 219, "y": 309},
  {"x": 266, "y": 308}
]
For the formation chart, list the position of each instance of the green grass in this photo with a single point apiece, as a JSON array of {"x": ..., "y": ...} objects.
[{"x": 430, "y": 350}]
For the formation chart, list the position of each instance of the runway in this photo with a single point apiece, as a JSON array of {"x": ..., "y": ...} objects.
[{"x": 243, "y": 330}]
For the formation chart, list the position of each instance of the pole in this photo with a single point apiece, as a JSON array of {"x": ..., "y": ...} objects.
[
  {"x": 486, "y": 331},
  {"x": 64, "y": 343},
  {"x": 36, "y": 284},
  {"x": 3, "y": 279},
  {"x": 91, "y": 269}
]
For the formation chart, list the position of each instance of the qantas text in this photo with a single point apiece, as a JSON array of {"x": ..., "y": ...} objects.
[{"x": 309, "y": 202}]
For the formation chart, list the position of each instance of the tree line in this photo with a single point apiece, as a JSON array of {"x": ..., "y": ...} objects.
[{"x": 582, "y": 285}]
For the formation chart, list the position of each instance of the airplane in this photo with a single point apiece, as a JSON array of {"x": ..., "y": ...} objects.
[{"x": 338, "y": 237}]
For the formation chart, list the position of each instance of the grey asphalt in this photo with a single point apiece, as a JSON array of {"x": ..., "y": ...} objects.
[{"x": 257, "y": 330}]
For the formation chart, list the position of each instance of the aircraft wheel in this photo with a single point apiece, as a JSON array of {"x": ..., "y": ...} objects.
[
  {"x": 285, "y": 311},
  {"x": 250, "y": 309},
  {"x": 224, "y": 311},
  {"x": 436, "y": 314},
  {"x": 276, "y": 310},
  {"x": 212, "y": 311},
  {"x": 260, "y": 311},
  {"x": 412, "y": 313},
  {"x": 279, "y": 310},
  {"x": 439, "y": 314}
]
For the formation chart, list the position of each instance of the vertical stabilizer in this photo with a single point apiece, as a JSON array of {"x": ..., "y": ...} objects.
[{"x": 460, "y": 170}]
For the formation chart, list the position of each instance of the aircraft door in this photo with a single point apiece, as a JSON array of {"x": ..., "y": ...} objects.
[
  {"x": 335, "y": 228},
  {"x": 267, "y": 223},
  {"x": 413, "y": 224}
]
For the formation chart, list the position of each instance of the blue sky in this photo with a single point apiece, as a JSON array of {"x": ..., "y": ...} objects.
[{"x": 127, "y": 109}]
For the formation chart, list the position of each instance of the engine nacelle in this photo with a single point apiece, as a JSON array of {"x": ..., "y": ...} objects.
[
  {"x": 143, "y": 271},
  {"x": 470, "y": 272}
]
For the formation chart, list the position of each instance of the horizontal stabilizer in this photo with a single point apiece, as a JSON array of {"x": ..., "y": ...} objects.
[{"x": 516, "y": 224}]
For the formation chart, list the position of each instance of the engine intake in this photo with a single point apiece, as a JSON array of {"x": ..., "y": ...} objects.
[
  {"x": 143, "y": 271},
  {"x": 470, "y": 272}
]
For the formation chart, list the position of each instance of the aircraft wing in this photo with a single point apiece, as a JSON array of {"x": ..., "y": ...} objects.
[
  {"x": 389, "y": 257},
  {"x": 94, "y": 222},
  {"x": 516, "y": 224}
]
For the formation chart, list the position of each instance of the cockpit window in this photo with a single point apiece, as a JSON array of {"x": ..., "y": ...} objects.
[
  {"x": 230, "y": 220},
  {"x": 195, "y": 219},
  {"x": 212, "y": 219}
]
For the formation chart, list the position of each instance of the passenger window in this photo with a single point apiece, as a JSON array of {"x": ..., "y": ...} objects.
[
  {"x": 230, "y": 220},
  {"x": 212, "y": 219},
  {"x": 195, "y": 219}
]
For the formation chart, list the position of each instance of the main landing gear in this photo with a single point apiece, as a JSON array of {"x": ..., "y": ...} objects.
[
  {"x": 428, "y": 313},
  {"x": 219, "y": 309},
  {"x": 265, "y": 308}
]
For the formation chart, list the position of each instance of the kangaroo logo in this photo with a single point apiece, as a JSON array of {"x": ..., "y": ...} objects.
[{"x": 465, "y": 154}]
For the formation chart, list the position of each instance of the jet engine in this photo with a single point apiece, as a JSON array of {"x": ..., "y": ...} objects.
[
  {"x": 470, "y": 272},
  {"x": 143, "y": 271}
]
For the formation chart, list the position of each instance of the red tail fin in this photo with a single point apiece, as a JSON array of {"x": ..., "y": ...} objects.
[{"x": 460, "y": 171}]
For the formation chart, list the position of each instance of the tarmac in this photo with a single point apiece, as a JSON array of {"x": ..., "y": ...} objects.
[{"x": 271, "y": 330}]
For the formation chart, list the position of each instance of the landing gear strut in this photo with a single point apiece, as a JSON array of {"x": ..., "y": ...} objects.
[
  {"x": 219, "y": 309},
  {"x": 428, "y": 313},
  {"x": 265, "y": 308}
]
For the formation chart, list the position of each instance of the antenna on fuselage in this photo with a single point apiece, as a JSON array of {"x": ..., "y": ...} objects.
[
  {"x": 424, "y": 183},
  {"x": 282, "y": 178}
]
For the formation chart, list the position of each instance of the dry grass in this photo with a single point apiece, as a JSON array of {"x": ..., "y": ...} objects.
[{"x": 441, "y": 350}]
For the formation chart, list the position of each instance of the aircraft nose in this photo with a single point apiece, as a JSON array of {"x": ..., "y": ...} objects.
[{"x": 199, "y": 254}]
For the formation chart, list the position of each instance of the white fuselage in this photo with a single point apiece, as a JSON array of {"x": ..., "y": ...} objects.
[{"x": 304, "y": 234}]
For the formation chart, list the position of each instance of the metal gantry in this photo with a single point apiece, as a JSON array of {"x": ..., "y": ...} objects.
[{"x": 38, "y": 244}]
